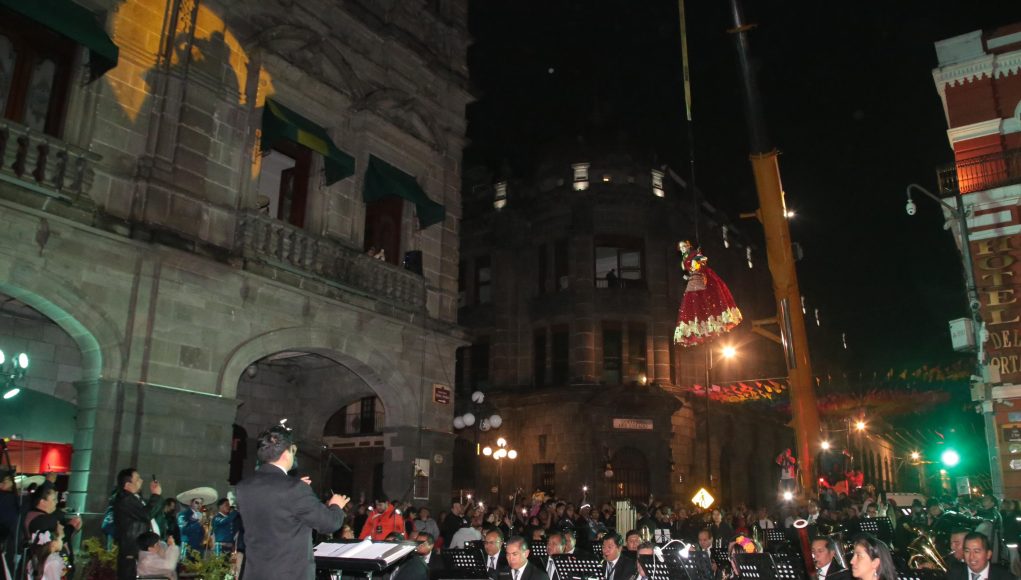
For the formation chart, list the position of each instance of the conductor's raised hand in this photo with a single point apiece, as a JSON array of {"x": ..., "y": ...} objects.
[
  {"x": 339, "y": 500},
  {"x": 155, "y": 488}
]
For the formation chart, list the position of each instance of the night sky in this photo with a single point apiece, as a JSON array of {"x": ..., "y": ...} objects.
[{"x": 850, "y": 103}]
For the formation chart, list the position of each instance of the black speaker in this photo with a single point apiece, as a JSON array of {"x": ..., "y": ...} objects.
[{"x": 413, "y": 261}]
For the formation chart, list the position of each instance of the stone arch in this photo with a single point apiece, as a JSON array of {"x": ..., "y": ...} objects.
[
  {"x": 374, "y": 367},
  {"x": 92, "y": 330}
]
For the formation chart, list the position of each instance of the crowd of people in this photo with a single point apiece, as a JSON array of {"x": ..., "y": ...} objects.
[{"x": 268, "y": 529}]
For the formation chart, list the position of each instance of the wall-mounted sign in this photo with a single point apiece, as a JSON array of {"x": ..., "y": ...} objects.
[
  {"x": 633, "y": 424},
  {"x": 441, "y": 394},
  {"x": 1011, "y": 432},
  {"x": 998, "y": 280},
  {"x": 1015, "y": 464}
]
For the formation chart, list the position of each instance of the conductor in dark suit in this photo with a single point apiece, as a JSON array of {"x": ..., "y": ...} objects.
[
  {"x": 518, "y": 567},
  {"x": 824, "y": 551},
  {"x": 977, "y": 556},
  {"x": 280, "y": 513},
  {"x": 617, "y": 566}
]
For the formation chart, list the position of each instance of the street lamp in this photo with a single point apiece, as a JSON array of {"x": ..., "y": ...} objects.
[
  {"x": 727, "y": 352},
  {"x": 859, "y": 425},
  {"x": 489, "y": 420},
  {"x": 11, "y": 372},
  {"x": 499, "y": 454}
]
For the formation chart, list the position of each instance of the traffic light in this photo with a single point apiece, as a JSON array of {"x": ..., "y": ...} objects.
[{"x": 950, "y": 458}]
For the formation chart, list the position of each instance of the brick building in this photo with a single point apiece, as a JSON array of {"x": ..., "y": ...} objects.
[
  {"x": 189, "y": 189},
  {"x": 978, "y": 79},
  {"x": 580, "y": 364}
]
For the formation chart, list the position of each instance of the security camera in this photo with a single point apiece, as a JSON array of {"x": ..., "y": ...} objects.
[{"x": 910, "y": 207}]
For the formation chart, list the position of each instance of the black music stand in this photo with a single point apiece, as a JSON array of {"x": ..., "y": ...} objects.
[
  {"x": 695, "y": 567},
  {"x": 720, "y": 556},
  {"x": 755, "y": 566},
  {"x": 466, "y": 559},
  {"x": 538, "y": 550},
  {"x": 777, "y": 540},
  {"x": 577, "y": 568},
  {"x": 789, "y": 567},
  {"x": 360, "y": 558},
  {"x": 881, "y": 528}
]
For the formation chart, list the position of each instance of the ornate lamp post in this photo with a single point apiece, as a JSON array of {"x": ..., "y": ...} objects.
[
  {"x": 480, "y": 417},
  {"x": 499, "y": 454}
]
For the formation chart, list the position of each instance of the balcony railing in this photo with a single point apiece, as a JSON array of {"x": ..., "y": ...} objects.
[
  {"x": 280, "y": 244},
  {"x": 981, "y": 173},
  {"x": 44, "y": 164}
]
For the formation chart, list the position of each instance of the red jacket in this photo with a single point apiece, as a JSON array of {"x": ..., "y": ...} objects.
[{"x": 380, "y": 525}]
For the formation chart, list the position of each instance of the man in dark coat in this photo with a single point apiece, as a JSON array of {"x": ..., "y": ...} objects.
[
  {"x": 977, "y": 555},
  {"x": 824, "y": 551},
  {"x": 518, "y": 567},
  {"x": 616, "y": 565},
  {"x": 131, "y": 515},
  {"x": 280, "y": 513}
]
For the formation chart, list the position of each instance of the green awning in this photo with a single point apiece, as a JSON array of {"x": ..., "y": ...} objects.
[
  {"x": 279, "y": 122},
  {"x": 75, "y": 22},
  {"x": 383, "y": 180}
]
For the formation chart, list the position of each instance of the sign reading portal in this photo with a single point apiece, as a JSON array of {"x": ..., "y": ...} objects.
[
  {"x": 998, "y": 280},
  {"x": 633, "y": 424}
]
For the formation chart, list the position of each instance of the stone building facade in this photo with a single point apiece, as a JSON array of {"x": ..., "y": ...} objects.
[
  {"x": 594, "y": 396},
  {"x": 190, "y": 203}
]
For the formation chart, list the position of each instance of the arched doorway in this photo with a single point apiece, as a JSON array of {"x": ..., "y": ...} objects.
[
  {"x": 336, "y": 417},
  {"x": 630, "y": 475}
]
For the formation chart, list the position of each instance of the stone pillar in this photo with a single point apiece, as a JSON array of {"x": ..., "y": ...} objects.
[
  {"x": 404, "y": 445},
  {"x": 182, "y": 437}
]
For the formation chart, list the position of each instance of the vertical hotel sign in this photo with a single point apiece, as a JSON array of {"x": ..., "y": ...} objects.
[{"x": 998, "y": 278}]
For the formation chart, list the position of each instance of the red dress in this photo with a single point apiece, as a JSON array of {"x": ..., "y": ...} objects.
[{"x": 708, "y": 309}]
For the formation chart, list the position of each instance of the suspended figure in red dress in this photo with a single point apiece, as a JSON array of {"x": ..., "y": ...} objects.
[{"x": 708, "y": 309}]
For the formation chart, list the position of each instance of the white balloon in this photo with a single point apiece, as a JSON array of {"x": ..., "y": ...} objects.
[
  {"x": 469, "y": 419},
  {"x": 495, "y": 421},
  {"x": 478, "y": 396},
  {"x": 458, "y": 422}
]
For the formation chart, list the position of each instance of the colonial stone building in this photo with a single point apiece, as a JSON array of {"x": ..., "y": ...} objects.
[
  {"x": 189, "y": 191},
  {"x": 570, "y": 284}
]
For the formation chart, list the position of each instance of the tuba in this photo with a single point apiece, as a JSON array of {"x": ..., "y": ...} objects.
[{"x": 922, "y": 552}]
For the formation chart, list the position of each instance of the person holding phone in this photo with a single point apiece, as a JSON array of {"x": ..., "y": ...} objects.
[{"x": 131, "y": 515}]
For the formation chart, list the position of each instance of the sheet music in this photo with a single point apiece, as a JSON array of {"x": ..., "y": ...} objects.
[{"x": 389, "y": 552}]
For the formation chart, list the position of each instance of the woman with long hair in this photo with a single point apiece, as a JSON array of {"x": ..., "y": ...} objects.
[{"x": 872, "y": 559}]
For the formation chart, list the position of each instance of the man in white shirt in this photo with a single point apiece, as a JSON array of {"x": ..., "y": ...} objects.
[
  {"x": 156, "y": 558},
  {"x": 469, "y": 533},
  {"x": 494, "y": 559},
  {"x": 554, "y": 546}
]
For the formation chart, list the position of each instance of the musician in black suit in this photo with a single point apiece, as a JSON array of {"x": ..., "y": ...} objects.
[
  {"x": 977, "y": 556},
  {"x": 824, "y": 551},
  {"x": 518, "y": 567},
  {"x": 492, "y": 553},
  {"x": 433, "y": 562},
  {"x": 616, "y": 566},
  {"x": 280, "y": 513},
  {"x": 571, "y": 546}
]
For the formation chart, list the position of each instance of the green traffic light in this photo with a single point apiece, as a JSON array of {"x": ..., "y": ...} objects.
[{"x": 950, "y": 458}]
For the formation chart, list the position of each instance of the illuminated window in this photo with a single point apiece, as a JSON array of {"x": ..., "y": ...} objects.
[
  {"x": 580, "y": 176},
  {"x": 618, "y": 263},
  {"x": 500, "y": 197},
  {"x": 657, "y": 183}
]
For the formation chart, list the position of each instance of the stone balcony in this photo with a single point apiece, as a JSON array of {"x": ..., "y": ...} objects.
[
  {"x": 282, "y": 251},
  {"x": 44, "y": 168}
]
